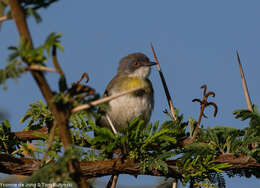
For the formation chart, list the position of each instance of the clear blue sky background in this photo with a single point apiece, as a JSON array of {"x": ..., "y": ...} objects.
[{"x": 194, "y": 40}]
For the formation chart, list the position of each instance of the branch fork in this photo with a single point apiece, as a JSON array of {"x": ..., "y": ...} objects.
[{"x": 203, "y": 104}]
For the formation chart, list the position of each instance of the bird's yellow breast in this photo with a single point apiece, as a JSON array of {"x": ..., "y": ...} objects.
[
  {"x": 132, "y": 82},
  {"x": 135, "y": 82}
]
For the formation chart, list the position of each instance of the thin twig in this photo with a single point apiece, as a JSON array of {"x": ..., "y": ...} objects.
[
  {"x": 203, "y": 104},
  {"x": 29, "y": 135},
  {"x": 40, "y": 68},
  {"x": 245, "y": 88},
  {"x": 198, "y": 123},
  {"x": 112, "y": 181},
  {"x": 55, "y": 61},
  {"x": 169, "y": 99},
  {"x": 3, "y": 18},
  {"x": 174, "y": 183},
  {"x": 6, "y": 148},
  {"x": 50, "y": 141},
  {"x": 103, "y": 100}
]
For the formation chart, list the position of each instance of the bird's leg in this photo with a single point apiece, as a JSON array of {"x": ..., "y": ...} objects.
[
  {"x": 111, "y": 124},
  {"x": 113, "y": 179}
]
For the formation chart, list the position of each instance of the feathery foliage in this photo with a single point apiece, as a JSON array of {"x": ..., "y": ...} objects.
[
  {"x": 38, "y": 115},
  {"x": 55, "y": 172},
  {"x": 13, "y": 70},
  {"x": 35, "y": 55},
  {"x": 8, "y": 143},
  {"x": 150, "y": 145},
  {"x": 23, "y": 53}
]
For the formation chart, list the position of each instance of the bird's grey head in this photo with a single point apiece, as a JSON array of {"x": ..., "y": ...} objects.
[{"x": 135, "y": 65}]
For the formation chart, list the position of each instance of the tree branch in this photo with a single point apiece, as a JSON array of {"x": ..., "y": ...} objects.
[
  {"x": 60, "y": 115},
  {"x": 26, "y": 166},
  {"x": 55, "y": 61},
  {"x": 18, "y": 166},
  {"x": 29, "y": 135},
  {"x": 40, "y": 68}
]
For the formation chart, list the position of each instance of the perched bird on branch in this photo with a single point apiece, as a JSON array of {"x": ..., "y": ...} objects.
[{"x": 133, "y": 72}]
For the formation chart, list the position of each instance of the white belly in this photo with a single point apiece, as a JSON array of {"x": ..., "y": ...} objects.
[{"x": 126, "y": 108}]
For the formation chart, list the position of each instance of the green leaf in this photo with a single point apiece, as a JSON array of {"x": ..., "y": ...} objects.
[
  {"x": 38, "y": 115},
  {"x": 53, "y": 40},
  {"x": 12, "y": 71},
  {"x": 168, "y": 139},
  {"x": 34, "y": 14}
]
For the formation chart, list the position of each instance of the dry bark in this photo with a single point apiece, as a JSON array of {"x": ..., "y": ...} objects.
[{"x": 26, "y": 166}]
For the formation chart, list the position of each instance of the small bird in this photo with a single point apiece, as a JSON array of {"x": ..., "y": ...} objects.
[{"x": 133, "y": 72}]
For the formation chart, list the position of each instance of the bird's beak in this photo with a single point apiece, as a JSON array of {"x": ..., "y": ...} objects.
[{"x": 150, "y": 63}]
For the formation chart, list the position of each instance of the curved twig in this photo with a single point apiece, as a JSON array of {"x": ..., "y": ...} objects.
[
  {"x": 215, "y": 108},
  {"x": 210, "y": 93},
  {"x": 205, "y": 89},
  {"x": 204, "y": 103}
]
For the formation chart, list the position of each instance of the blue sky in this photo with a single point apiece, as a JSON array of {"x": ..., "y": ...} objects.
[{"x": 195, "y": 42}]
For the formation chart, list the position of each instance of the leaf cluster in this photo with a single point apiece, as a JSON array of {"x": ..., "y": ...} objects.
[
  {"x": 8, "y": 143},
  {"x": 24, "y": 53},
  {"x": 11, "y": 145},
  {"x": 197, "y": 158},
  {"x": 254, "y": 119},
  {"x": 214, "y": 180},
  {"x": 30, "y": 7},
  {"x": 13, "y": 71},
  {"x": 199, "y": 168},
  {"x": 81, "y": 126},
  {"x": 35, "y": 55},
  {"x": 223, "y": 139},
  {"x": 150, "y": 145},
  {"x": 251, "y": 138},
  {"x": 37, "y": 4},
  {"x": 196, "y": 164},
  {"x": 38, "y": 116},
  {"x": 58, "y": 171},
  {"x": 74, "y": 96},
  {"x": 54, "y": 151}
]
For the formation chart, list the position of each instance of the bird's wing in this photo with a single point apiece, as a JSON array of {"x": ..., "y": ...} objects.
[
  {"x": 105, "y": 119},
  {"x": 112, "y": 85},
  {"x": 107, "y": 93}
]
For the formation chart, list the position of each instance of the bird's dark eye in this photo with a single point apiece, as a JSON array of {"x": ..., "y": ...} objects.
[{"x": 136, "y": 64}]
